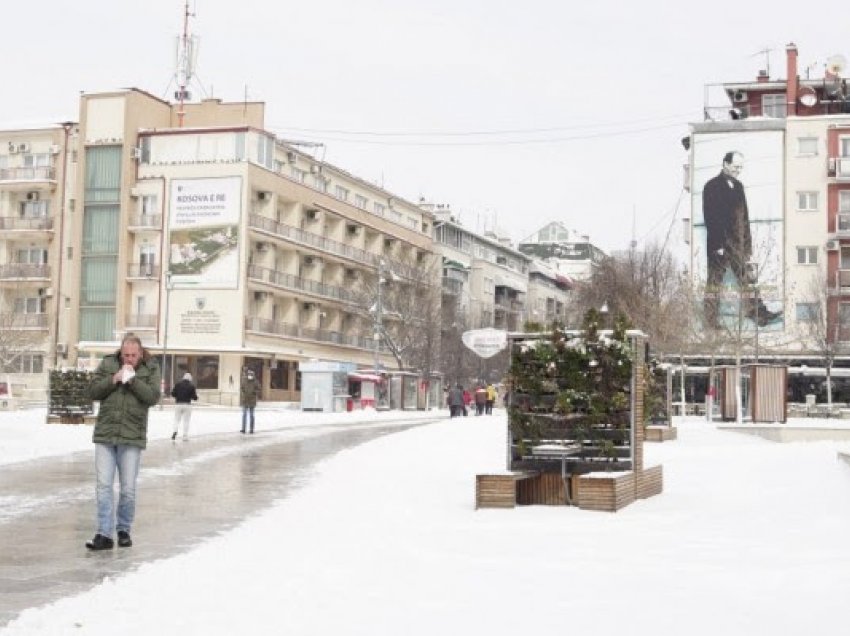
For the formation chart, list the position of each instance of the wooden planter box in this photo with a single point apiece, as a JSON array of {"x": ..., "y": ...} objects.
[
  {"x": 654, "y": 433},
  {"x": 611, "y": 492}
]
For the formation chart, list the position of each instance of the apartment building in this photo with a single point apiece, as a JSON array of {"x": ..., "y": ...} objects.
[
  {"x": 571, "y": 254},
  {"x": 221, "y": 246},
  {"x": 549, "y": 294},
  {"x": 36, "y": 162},
  {"x": 482, "y": 273},
  {"x": 792, "y": 138}
]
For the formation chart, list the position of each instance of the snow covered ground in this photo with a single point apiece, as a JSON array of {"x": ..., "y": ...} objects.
[{"x": 749, "y": 537}]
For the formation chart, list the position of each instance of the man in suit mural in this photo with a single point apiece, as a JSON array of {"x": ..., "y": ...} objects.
[{"x": 729, "y": 243}]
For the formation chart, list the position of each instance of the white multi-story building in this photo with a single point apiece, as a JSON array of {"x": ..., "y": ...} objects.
[{"x": 223, "y": 247}]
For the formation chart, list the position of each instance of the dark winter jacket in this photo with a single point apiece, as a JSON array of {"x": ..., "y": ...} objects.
[
  {"x": 248, "y": 392},
  {"x": 184, "y": 392},
  {"x": 123, "y": 414},
  {"x": 456, "y": 397}
]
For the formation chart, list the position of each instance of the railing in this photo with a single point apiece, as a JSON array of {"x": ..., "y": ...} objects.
[
  {"x": 508, "y": 305},
  {"x": 153, "y": 221},
  {"x": 41, "y": 173},
  {"x": 143, "y": 270},
  {"x": 289, "y": 281},
  {"x": 142, "y": 321},
  {"x": 267, "y": 326},
  {"x": 331, "y": 246},
  {"x": 24, "y": 270},
  {"x": 25, "y": 321},
  {"x": 26, "y": 223}
]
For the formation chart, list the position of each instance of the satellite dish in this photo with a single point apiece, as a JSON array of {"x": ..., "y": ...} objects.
[
  {"x": 808, "y": 97},
  {"x": 836, "y": 64}
]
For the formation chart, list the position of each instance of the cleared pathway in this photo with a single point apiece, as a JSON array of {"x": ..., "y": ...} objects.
[{"x": 187, "y": 491}]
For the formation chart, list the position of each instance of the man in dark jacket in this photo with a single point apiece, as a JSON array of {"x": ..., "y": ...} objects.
[
  {"x": 127, "y": 385},
  {"x": 248, "y": 393},
  {"x": 456, "y": 401},
  {"x": 183, "y": 393}
]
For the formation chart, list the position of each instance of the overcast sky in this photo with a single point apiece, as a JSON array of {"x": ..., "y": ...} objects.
[{"x": 603, "y": 92}]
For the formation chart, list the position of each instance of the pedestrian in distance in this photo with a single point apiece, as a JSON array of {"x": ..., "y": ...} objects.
[
  {"x": 467, "y": 401},
  {"x": 183, "y": 393},
  {"x": 127, "y": 384},
  {"x": 480, "y": 399},
  {"x": 248, "y": 393},
  {"x": 491, "y": 399},
  {"x": 455, "y": 400}
]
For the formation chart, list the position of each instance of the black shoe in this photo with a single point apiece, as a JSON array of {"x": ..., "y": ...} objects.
[
  {"x": 100, "y": 542},
  {"x": 174, "y": 436},
  {"x": 243, "y": 432},
  {"x": 124, "y": 540},
  {"x": 252, "y": 432}
]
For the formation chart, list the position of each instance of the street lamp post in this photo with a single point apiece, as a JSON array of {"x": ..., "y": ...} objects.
[{"x": 165, "y": 339}]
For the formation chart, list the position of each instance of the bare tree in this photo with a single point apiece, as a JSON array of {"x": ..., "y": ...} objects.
[{"x": 18, "y": 337}]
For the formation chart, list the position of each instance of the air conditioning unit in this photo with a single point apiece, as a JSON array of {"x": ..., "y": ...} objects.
[
  {"x": 291, "y": 157},
  {"x": 135, "y": 153},
  {"x": 54, "y": 149},
  {"x": 315, "y": 168},
  {"x": 350, "y": 273},
  {"x": 45, "y": 292},
  {"x": 312, "y": 214},
  {"x": 260, "y": 296},
  {"x": 309, "y": 261},
  {"x": 352, "y": 230},
  {"x": 832, "y": 246},
  {"x": 262, "y": 248},
  {"x": 61, "y": 348},
  {"x": 388, "y": 243},
  {"x": 13, "y": 148},
  {"x": 740, "y": 97},
  {"x": 831, "y": 165},
  {"x": 32, "y": 196},
  {"x": 262, "y": 196},
  {"x": 23, "y": 147},
  {"x": 135, "y": 193},
  {"x": 309, "y": 306}
]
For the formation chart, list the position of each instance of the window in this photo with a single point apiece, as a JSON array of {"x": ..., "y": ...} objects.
[
  {"x": 341, "y": 193},
  {"x": 844, "y": 142},
  {"x": 150, "y": 205},
  {"x": 298, "y": 174},
  {"x": 321, "y": 183},
  {"x": 395, "y": 215},
  {"x": 361, "y": 201},
  {"x": 413, "y": 222},
  {"x": 807, "y": 255},
  {"x": 34, "y": 209},
  {"x": 844, "y": 210},
  {"x": 32, "y": 256},
  {"x": 26, "y": 363},
  {"x": 379, "y": 208},
  {"x": 40, "y": 160},
  {"x": 807, "y": 146},
  {"x": 807, "y": 312},
  {"x": 33, "y": 305},
  {"x": 773, "y": 105},
  {"x": 807, "y": 201}
]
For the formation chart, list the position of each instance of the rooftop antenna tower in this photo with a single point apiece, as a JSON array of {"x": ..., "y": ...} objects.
[
  {"x": 766, "y": 52},
  {"x": 187, "y": 52},
  {"x": 633, "y": 243}
]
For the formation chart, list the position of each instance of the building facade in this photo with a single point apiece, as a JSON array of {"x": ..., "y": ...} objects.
[{"x": 221, "y": 246}]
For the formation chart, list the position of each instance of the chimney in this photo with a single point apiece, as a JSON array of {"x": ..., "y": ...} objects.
[
  {"x": 762, "y": 76},
  {"x": 792, "y": 83}
]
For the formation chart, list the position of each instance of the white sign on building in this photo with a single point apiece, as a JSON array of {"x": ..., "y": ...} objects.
[
  {"x": 203, "y": 224},
  {"x": 485, "y": 342}
]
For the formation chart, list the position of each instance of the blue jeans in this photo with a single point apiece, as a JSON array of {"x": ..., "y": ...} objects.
[
  {"x": 245, "y": 411},
  {"x": 108, "y": 457}
]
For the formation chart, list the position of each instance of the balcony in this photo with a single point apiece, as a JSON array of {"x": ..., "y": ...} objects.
[
  {"x": 266, "y": 326},
  {"x": 144, "y": 222},
  {"x": 506, "y": 304},
  {"x": 145, "y": 271},
  {"x": 296, "y": 283},
  {"x": 26, "y": 176},
  {"x": 16, "y": 321},
  {"x": 24, "y": 272},
  {"x": 321, "y": 243},
  {"x": 141, "y": 321},
  {"x": 26, "y": 227}
]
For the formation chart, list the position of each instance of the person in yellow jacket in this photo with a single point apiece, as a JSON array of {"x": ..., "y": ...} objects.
[{"x": 491, "y": 399}]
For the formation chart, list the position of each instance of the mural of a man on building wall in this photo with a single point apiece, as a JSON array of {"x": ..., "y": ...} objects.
[{"x": 728, "y": 240}]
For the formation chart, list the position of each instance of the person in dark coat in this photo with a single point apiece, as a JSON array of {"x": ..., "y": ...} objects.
[
  {"x": 127, "y": 384},
  {"x": 183, "y": 393},
  {"x": 480, "y": 399},
  {"x": 248, "y": 393},
  {"x": 455, "y": 400}
]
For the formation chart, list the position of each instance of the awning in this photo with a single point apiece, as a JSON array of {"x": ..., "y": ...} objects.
[
  {"x": 364, "y": 376},
  {"x": 447, "y": 262}
]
